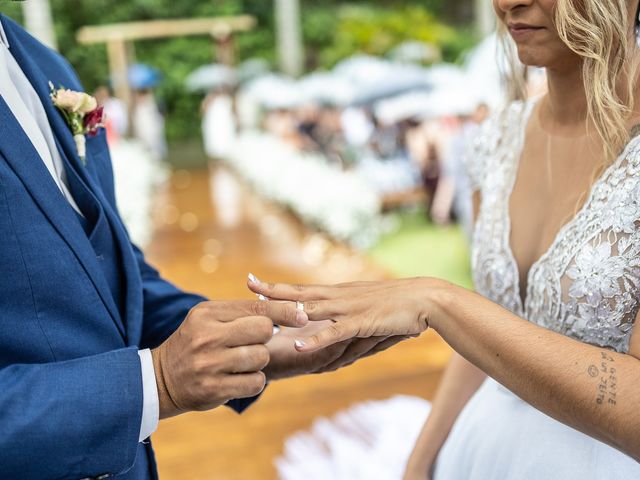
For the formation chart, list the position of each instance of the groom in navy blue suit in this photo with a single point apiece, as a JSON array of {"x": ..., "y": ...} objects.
[{"x": 95, "y": 347}]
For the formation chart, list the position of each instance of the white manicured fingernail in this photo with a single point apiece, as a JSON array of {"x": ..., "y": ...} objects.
[
  {"x": 301, "y": 318},
  {"x": 262, "y": 298},
  {"x": 253, "y": 278},
  {"x": 300, "y": 344},
  {"x": 276, "y": 329}
]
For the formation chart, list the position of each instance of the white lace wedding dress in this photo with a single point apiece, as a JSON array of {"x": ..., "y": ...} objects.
[{"x": 586, "y": 286}]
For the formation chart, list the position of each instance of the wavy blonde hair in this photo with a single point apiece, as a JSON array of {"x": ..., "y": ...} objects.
[{"x": 600, "y": 32}]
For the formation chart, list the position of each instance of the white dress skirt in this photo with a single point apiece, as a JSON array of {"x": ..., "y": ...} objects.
[{"x": 498, "y": 436}]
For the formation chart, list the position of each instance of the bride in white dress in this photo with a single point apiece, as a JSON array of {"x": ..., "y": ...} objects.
[{"x": 545, "y": 383}]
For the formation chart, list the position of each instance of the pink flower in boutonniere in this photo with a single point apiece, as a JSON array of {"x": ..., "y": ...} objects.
[{"x": 81, "y": 113}]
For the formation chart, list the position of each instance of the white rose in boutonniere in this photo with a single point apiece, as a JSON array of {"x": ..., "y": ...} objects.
[{"x": 81, "y": 113}]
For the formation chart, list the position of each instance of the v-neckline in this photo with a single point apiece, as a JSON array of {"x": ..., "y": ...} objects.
[{"x": 521, "y": 301}]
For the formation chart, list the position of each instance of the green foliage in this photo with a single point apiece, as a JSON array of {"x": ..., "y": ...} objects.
[
  {"x": 332, "y": 30},
  {"x": 376, "y": 30}
]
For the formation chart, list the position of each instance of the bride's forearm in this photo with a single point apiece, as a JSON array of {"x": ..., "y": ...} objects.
[{"x": 591, "y": 389}]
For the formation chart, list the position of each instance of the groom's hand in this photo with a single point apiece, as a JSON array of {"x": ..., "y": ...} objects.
[
  {"x": 218, "y": 353},
  {"x": 285, "y": 361}
]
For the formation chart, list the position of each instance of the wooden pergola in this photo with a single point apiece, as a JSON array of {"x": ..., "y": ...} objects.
[{"x": 120, "y": 38}]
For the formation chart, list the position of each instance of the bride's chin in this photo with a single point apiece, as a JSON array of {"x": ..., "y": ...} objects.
[
  {"x": 530, "y": 57},
  {"x": 554, "y": 57}
]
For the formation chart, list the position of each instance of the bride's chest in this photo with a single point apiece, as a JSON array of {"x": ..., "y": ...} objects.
[
  {"x": 549, "y": 187},
  {"x": 575, "y": 273}
]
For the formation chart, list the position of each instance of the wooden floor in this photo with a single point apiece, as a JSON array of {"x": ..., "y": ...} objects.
[{"x": 211, "y": 231}]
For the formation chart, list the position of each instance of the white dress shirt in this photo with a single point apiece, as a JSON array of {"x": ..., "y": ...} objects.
[{"x": 26, "y": 106}]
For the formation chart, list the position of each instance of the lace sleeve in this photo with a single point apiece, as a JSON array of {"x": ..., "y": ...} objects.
[
  {"x": 484, "y": 148},
  {"x": 476, "y": 155}
]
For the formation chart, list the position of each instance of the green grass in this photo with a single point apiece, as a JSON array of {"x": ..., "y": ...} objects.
[{"x": 420, "y": 248}]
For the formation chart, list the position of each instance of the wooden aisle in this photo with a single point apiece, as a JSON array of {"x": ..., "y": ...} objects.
[{"x": 211, "y": 232}]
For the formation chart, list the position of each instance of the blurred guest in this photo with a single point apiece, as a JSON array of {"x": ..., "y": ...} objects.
[
  {"x": 425, "y": 143},
  {"x": 331, "y": 136},
  {"x": 453, "y": 195},
  {"x": 308, "y": 126},
  {"x": 218, "y": 123},
  {"x": 384, "y": 139},
  {"x": 282, "y": 123},
  {"x": 116, "y": 120},
  {"x": 148, "y": 122}
]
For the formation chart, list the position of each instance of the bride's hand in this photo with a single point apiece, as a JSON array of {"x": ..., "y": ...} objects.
[{"x": 397, "y": 308}]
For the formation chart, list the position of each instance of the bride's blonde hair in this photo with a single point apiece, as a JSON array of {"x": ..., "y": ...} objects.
[{"x": 602, "y": 33}]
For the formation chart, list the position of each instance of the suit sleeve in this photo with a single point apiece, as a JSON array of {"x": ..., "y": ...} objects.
[
  {"x": 78, "y": 418},
  {"x": 165, "y": 308}
]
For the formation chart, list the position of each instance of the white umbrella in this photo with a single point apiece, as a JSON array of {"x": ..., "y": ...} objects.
[
  {"x": 361, "y": 69},
  {"x": 374, "y": 78},
  {"x": 441, "y": 102},
  {"x": 209, "y": 77},
  {"x": 273, "y": 91},
  {"x": 399, "y": 79},
  {"x": 415, "y": 52},
  {"x": 252, "y": 68},
  {"x": 446, "y": 75},
  {"x": 402, "y": 107},
  {"x": 326, "y": 88}
]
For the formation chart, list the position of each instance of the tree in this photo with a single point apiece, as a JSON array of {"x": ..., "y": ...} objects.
[{"x": 38, "y": 20}]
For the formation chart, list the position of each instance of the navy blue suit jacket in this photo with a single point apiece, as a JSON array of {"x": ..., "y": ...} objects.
[{"x": 70, "y": 378}]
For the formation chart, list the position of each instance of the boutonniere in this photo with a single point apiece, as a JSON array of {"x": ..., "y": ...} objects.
[{"x": 82, "y": 114}]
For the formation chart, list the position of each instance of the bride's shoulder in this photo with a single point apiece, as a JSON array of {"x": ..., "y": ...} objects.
[
  {"x": 510, "y": 118},
  {"x": 498, "y": 133},
  {"x": 502, "y": 128}
]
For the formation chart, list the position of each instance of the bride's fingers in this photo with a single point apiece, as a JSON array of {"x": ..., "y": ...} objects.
[
  {"x": 325, "y": 309},
  {"x": 338, "y": 332},
  {"x": 283, "y": 291}
]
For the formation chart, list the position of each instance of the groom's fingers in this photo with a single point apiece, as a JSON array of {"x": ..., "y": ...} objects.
[
  {"x": 356, "y": 350},
  {"x": 282, "y": 313},
  {"x": 386, "y": 344},
  {"x": 338, "y": 332}
]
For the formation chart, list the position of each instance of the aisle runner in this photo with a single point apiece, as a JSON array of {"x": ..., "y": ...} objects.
[{"x": 369, "y": 441}]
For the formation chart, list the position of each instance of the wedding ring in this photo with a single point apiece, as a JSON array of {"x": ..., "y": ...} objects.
[{"x": 300, "y": 306}]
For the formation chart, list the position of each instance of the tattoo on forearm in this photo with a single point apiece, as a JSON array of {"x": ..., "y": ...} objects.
[{"x": 607, "y": 377}]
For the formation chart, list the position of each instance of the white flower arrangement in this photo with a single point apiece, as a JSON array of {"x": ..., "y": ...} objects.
[
  {"x": 137, "y": 173},
  {"x": 339, "y": 203}
]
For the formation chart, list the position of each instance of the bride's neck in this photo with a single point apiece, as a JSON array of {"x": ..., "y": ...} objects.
[{"x": 566, "y": 105}]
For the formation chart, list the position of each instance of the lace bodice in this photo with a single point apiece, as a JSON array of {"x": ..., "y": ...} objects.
[{"x": 587, "y": 284}]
